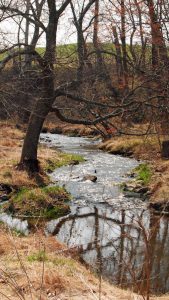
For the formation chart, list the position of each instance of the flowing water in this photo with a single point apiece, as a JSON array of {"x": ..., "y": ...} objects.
[{"x": 116, "y": 235}]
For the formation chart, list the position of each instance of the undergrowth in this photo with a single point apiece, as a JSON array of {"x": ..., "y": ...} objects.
[
  {"x": 62, "y": 160},
  {"x": 46, "y": 202},
  {"x": 144, "y": 173}
]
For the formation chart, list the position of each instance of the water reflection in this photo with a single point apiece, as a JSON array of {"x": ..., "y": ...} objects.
[
  {"x": 14, "y": 223},
  {"x": 128, "y": 247},
  {"x": 117, "y": 235}
]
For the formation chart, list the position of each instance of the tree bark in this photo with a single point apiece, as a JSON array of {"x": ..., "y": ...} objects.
[
  {"x": 165, "y": 149},
  {"x": 43, "y": 106},
  {"x": 119, "y": 63},
  {"x": 99, "y": 60},
  {"x": 123, "y": 41},
  {"x": 142, "y": 59},
  {"x": 81, "y": 44},
  {"x": 159, "y": 50}
]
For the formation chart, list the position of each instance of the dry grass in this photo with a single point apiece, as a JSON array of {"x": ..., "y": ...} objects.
[
  {"x": 11, "y": 140},
  {"x": 160, "y": 181},
  {"x": 21, "y": 260},
  {"x": 145, "y": 149},
  {"x": 63, "y": 277},
  {"x": 70, "y": 129},
  {"x": 65, "y": 128},
  {"x": 142, "y": 148}
]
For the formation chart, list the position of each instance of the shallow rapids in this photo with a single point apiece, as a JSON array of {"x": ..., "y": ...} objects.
[{"x": 116, "y": 235}]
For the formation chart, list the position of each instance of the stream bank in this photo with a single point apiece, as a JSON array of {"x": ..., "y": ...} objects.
[
  {"x": 148, "y": 150},
  {"x": 64, "y": 277},
  {"x": 109, "y": 221},
  {"x": 109, "y": 227},
  {"x": 144, "y": 147},
  {"x": 30, "y": 196}
]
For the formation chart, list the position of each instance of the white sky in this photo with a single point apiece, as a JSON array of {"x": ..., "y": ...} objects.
[{"x": 66, "y": 30}]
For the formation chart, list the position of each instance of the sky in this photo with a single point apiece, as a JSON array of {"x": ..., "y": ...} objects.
[{"x": 66, "y": 30}]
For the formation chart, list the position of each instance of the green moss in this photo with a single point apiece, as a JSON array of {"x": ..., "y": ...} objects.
[
  {"x": 40, "y": 193},
  {"x": 53, "y": 190},
  {"x": 18, "y": 233},
  {"x": 63, "y": 160},
  {"x": 46, "y": 202},
  {"x": 59, "y": 261},
  {"x": 64, "y": 261},
  {"x": 18, "y": 197},
  {"x": 55, "y": 212},
  {"x": 39, "y": 256},
  {"x": 7, "y": 174},
  {"x": 144, "y": 173}
]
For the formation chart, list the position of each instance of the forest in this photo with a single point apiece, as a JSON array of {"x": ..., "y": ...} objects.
[{"x": 84, "y": 143}]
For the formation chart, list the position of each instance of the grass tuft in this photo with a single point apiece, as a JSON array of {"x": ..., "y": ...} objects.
[
  {"x": 46, "y": 202},
  {"x": 38, "y": 256},
  {"x": 144, "y": 173},
  {"x": 62, "y": 160}
]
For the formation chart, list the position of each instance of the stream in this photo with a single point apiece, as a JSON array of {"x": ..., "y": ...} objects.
[{"x": 117, "y": 236}]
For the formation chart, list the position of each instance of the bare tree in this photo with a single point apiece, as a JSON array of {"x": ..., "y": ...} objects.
[
  {"x": 81, "y": 43},
  {"x": 127, "y": 92}
]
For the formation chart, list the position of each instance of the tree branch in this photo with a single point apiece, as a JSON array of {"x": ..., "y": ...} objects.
[
  {"x": 85, "y": 122},
  {"x": 23, "y": 14}
]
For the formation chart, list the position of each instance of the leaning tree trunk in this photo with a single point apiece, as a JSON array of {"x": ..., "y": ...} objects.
[
  {"x": 43, "y": 106},
  {"x": 29, "y": 159}
]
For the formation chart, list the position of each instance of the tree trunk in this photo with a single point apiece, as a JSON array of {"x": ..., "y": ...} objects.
[
  {"x": 81, "y": 53},
  {"x": 99, "y": 60},
  {"x": 159, "y": 50},
  {"x": 123, "y": 41},
  {"x": 119, "y": 63},
  {"x": 143, "y": 41},
  {"x": 165, "y": 149},
  {"x": 50, "y": 53},
  {"x": 43, "y": 106},
  {"x": 28, "y": 58}
]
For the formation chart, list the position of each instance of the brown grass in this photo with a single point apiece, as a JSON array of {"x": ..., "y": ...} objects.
[
  {"x": 160, "y": 181},
  {"x": 63, "y": 276},
  {"x": 70, "y": 129},
  {"x": 146, "y": 149},
  {"x": 11, "y": 140}
]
